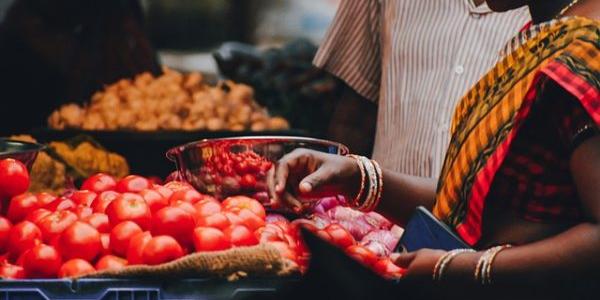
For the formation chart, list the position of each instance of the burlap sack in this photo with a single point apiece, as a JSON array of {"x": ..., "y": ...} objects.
[{"x": 257, "y": 261}]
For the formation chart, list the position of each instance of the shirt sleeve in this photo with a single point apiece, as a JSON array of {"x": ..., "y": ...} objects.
[{"x": 351, "y": 49}]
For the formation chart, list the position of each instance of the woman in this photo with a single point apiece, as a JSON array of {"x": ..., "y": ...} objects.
[{"x": 522, "y": 166}]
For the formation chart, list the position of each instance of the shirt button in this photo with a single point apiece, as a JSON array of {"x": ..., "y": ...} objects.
[
  {"x": 459, "y": 70},
  {"x": 475, "y": 16}
]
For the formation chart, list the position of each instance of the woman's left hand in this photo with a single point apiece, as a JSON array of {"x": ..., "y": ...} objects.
[{"x": 419, "y": 264}]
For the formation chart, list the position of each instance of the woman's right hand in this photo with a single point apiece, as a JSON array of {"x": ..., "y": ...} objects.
[{"x": 306, "y": 174}]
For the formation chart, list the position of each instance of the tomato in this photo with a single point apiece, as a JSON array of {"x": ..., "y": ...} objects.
[
  {"x": 105, "y": 240},
  {"x": 98, "y": 221},
  {"x": 82, "y": 211},
  {"x": 132, "y": 184},
  {"x": 83, "y": 197},
  {"x": 111, "y": 262},
  {"x": 61, "y": 203},
  {"x": 185, "y": 206},
  {"x": 218, "y": 220},
  {"x": 248, "y": 181},
  {"x": 304, "y": 223},
  {"x": 207, "y": 207},
  {"x": 238, "y": 203},
  {"x": 233, "y": 218},
  {"x": 175, "y": 222},
  {"x": 250, "y": 220},
  {"x": 187, "y": 195},
  {"x": 270, "y": 233},
  {"x": 178, "y": 185},
  {"x": 55, "y": 223},
  {"x": 80, "y": 240},
  {"x": 340, "y": 236},
  {"x": 14, "y": 178},
  {"x": 45, "y": 198},
  {"x": 5, "y": 227},
  {"x": 362, "y": 254},
  {"x": 210, "y": 239},
  {"x": 285, "y": 250},
  {"x": 36, "y": 215},
  {"x": 154, "y": 199},
  {"x": 8, "y": 271},
  {"x": 75, "y": 267},
  {"x": 23, "y": 236},
  {"x": 20, "y": 206},
  {"x": 99, "y": 183},
  {"x": 129, "y": 207},
  {"x": 163, "y": 191},
  {"x": 121, "y": 235},
  {"x": 103, "y": 200},
  {"x": 324, "y": 235},
  {"x": 161, "y": 249},
  {"x": 41, "y": 261},
  {"x": 136, "y": 247},
  {"x": 386, "y": 268},
  {"x": 240, "y": 235},
  {"x": 155, "y": 180}
]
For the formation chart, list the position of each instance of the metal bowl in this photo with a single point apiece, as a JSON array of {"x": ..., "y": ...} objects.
[
  {"x": 24, "y": 152},
  {"x": 239, "y": 166}
]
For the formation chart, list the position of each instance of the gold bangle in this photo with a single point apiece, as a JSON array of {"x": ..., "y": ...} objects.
[
  {"x": 379, "y": 193},
  {"x": 487, "y": 276},
  {"x": 361, "y": 191},
  {"x": 444, "y": 261},
  {"x": 483, "y": 268},
  {"x": 372, "y": 175},
  {"x": 480, "y": 264}
]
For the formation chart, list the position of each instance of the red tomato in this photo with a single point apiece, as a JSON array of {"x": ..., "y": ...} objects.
[
  {"x": 248, "y": 181},
  {"x": 250, "y": 220},
  {"x": 386, "y": 268},
  {"x": 137, "y": 244},
  {"x": 61, "y": 203},
  {"x": 23, "y": 236},
  {"x": 55, "y": 223},
  {"x": 129, "y": 207},
  {"x": 41, "y": 261},
  {"x": 98, "y": 221},
  {"x": 218, "y": 220},
  {"x": 324, "y": 235},
  {"x": 178, "y": 185},
  {"x": 185, "y": 206},
  {"x": 82, "y": 211},
  {"x": 362, "y": 254},
  {"x": 14, "y": 178},
  {"x": 155, "y": 180},
  {"x": 75, "y": 267},
  {"x": 163, "y": 191},
  {"x": 161, "y": 249},
  {"x": 103, "y": 200},
  {"x": 45, "y": 198},
  {"x": 8, "y": 271},
  {"x": 99, "y": 183},
  {"x": 233, "y": 218},
  {"x": 237, "y": 203},
  {"x": 189, "y": 195},
  {"x": 132, "y": 184},
  {"x": 174, "y": 222},
  {"x": 304, "y": 223},
  {"x": 20, "y": 206},
  {"x": 210, "y": 239},
  {"x": 5, "y": 227},
  {"x": 154, "y": 199},
  {"x": 240, "y": 235},
  {"x": 111, "y": 262},
  {"x": 83, "y": 197},
  {"x": 80, "y": 240},
  {"x": 121, "y": 235},
  {"x": 285, "y": 250},
  {"x": 105, "y": 240},
  {"x": 36, "y": 215},
  {"x": 207, "y": 207},
  {"x": 340, "y": 236}
]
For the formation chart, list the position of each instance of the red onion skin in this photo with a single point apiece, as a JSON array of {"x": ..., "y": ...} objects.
[
  {"x": 321, "y": 220},
  {"x": 342, "y": 213},
  {"x": 272, "y": 218},
  {"x": 325, "y": 204},
  {"x": 378, "y": 220},
  {"x": 382, "y": 236},
  {"x": 377, "y": 248},
  {"x": 358, "y": 228}
]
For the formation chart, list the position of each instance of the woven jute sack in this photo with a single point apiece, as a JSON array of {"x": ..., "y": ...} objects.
[{"x": 260, "y": 261}]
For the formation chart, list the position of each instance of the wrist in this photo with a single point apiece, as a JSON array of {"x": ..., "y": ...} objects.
[{"x": 461, "y": 268}]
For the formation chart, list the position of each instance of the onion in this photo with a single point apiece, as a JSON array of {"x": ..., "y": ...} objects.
[
  {"x": 342, "y": 213},
  {"x": 357, "y": 228},
  {"x": 321, "y": 220},
  {"x": 388, "y": 239},
  {"x": 397, "y": 231},
  {"x": 378, "y": 220},
  {"x": 272, "y": 218},
  {"x": 377, "y": 248},
  {"x": 325, "y": 204}
]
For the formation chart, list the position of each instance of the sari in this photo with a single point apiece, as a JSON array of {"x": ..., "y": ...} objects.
[{"x": 488, "y": 119}]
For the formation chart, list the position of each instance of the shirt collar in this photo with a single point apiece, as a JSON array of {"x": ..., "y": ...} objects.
[{"x": 479, "y": 10}]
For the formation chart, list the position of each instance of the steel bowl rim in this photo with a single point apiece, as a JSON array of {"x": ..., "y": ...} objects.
[{"x": 36, "y": 147}]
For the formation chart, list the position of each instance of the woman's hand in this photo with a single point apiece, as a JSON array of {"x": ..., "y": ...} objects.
[
  {"x": 419, "y": 264},
  {"x": 311, "y": 174}
]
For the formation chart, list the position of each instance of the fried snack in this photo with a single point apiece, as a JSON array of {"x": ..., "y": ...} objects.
[
  {"x": 90, "y": 160},
  {"x": 172, "y": 101}
]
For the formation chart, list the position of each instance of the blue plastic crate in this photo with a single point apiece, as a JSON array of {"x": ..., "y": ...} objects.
[{"x": 131, "y": 289}]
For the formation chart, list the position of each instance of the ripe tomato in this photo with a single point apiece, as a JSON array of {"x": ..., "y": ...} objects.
[
  {"x": 240, "y": 235},
  {"x": 129, "y": 207},
  {"x": 8, "y": 271},
  {"x": 111, "y": 262},
  {"x": 285, "y": 250},
  {"x": 36, "y": 215},
  {"x": 324, "y": 235},
  {"x": 250, "y": 220},
  {"x": 45, "y": 198},
  {"x": 99, "y": 183},
  {"x": 163, "y": 191},
  {"x": 386, "y": 268},
  {"x": 14, "y": 178},
  {"x": 105, "y": 240},
  {"x": 340, "y": 236},
  {"x": 178, "y": 185},
  {"x": 98, "y": 221},
  {"x": 174, "y": 222},
  {"x": 207, "y": 207},
  {"x": 233, "y": 218},
  {"x": 210, "y": 239},
  {"x": 82, "y": 211},
  {"x": 161, "y": 249},
  {"x": 185, "y": 206},
  {"x": 248, "y": 181},
  {"x": 155, "y": 180},
  {"x": 362, "y": 254},
  {"x": 121, "y": 235},
  {"x": 20, "y": 206},
  {"x": 218, "y": 220},
  {"x": 237, "y": 203},
  {"x": 41, "y": 261},
  {"x": 55, "y": 223},
  {"x": 103, "y": 200},
  {"x": 75, "y": 267},
  {"x": 23, "y": 236},
  {"x": 132, "y": 184},
  {"x": 154, "y": 199},
  {"x": 61, "y": 203},
  {"x": 188, "y": 195},
  {"x": 83, "y": 197},
  {"x": 80, "y": 240},
  {"x": 5, "y": 227},
  {"x": 304, "y": 223},
  {"x": 137, "y": 244}
]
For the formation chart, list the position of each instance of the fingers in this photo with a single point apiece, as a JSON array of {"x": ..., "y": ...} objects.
[
  {"x": 293, "y": 203},
  {"x": 290, "y": 161},
  {"x": 403, "y": 260},
  {"x": 315, "y": 180}
]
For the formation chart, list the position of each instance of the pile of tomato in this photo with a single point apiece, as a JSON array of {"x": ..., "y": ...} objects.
[{"x": 111, "y": 224}]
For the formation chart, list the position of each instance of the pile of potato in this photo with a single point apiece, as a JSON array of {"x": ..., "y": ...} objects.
[{"x": 172, "y": 101}]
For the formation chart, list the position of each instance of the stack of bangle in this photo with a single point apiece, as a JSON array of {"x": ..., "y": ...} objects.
[
  {"x": 483, "y": 269},
  {"x": 444, "y": 261},
  {"x": 371, "y": 184}
]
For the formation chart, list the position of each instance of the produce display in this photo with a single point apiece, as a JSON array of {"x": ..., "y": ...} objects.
[{"x": 171, "y": 101}]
